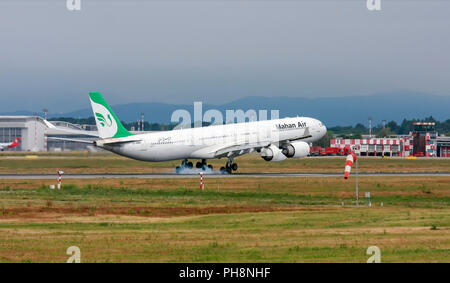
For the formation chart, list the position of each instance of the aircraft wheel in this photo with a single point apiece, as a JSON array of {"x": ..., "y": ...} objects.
[
  {"x": 222, "y": 170},
  {"x": 210, "y": 167},
  {"x": 198, "y": 165},
  {"x": 190, "y": 165},
  {"x": 234, "y": 166},
  {"x": 178, "y": 169}
]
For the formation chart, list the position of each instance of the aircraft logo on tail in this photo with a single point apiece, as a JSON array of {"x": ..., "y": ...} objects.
[
  {"x": 108, "y": 125},
  {"x": 103, "y": 121}
]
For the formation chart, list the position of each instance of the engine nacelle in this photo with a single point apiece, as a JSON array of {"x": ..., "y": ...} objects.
[
  {"x": 296, "y": 149},
  {"x": 272, "y": 153}
]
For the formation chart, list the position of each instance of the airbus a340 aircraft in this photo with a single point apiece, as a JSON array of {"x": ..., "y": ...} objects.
[
  {"x": 13, "y": 144},
  {"x": 274, "y": 140}
]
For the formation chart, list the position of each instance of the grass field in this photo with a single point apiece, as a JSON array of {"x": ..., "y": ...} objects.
[
  {"x": 109, "y": 163},
  {"x": 233, "y": 220}
]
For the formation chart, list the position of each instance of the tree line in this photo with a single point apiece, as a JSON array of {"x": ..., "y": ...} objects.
[{"x": 381, "y": 131}]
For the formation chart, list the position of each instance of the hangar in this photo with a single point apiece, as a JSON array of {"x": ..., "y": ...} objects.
[
  {"x": 30, "y": 128},
  {"x": 35, "y": 134}
]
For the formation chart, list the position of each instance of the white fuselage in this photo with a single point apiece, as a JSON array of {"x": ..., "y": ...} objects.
[
  {"x": 203, "y": 142},
  {"x": 4, "y": 145}
]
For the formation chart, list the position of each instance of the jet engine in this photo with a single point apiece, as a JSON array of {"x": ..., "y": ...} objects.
[
  {"x": 272, "y": 153},
  {"x": 296, "y": 149}
]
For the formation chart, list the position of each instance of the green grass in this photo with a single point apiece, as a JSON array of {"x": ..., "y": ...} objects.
[
  {"x": 252, "y": 220},
  {"x": 109, "y": 163},
  {"x": 194, "y": 197},
  {"x": 249, "y": 237}
]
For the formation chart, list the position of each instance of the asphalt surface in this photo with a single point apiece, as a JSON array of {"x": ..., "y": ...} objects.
[{"x": 213, "y": 175}]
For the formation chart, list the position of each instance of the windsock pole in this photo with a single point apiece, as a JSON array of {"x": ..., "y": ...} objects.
[{"x": 356, "y": 181}]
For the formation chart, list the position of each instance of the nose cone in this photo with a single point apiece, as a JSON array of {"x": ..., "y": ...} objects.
[{"x": 322, "y": 128}]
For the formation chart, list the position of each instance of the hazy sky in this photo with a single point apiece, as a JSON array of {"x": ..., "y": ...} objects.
[{"x": 217, "y": 51}]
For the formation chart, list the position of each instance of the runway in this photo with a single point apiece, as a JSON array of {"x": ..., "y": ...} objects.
[{"x": 235, "y": 175}]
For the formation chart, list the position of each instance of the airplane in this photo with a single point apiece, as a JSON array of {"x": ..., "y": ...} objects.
[
  {"x": 13, "y": 144},
  {"x": 274, "y": 140}
]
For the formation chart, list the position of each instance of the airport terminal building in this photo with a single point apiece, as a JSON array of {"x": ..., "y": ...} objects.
[
  {"x": 424, "y": 141},
  {"x": 35, "y": 134}
]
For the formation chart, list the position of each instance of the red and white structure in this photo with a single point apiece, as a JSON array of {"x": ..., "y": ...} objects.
[
  {"x": 445, "y": 152},
  {"x": 430, "y": 145},
  {"x": 423, "y": 141},
  {"x": 351, "y": 158},
  {"x": 401, "y": 146},
  {"x": 60, "y": 178},
  {"x": 201, "y": 181}
]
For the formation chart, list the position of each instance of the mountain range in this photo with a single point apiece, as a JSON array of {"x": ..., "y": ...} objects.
[{"x": 332, "y": 111}]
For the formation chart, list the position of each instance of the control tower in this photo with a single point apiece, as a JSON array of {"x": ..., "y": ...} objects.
[{"x": 424, "y": 139}]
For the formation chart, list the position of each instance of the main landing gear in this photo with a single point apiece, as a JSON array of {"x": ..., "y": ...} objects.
[
  {"x": 202, "y": 166},
  {"x": 229, "y": 167},
  {"x": 185, "y": 164}
]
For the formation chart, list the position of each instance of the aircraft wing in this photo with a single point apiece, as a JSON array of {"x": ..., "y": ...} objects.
[
  {"x": 228, "y": 150},
  {"x": 233, "y": 150},
  {"x": 306, "y": 135},
  {"x": 236, "y": 150}
]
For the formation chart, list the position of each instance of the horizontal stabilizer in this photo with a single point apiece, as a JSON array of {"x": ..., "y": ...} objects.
[
  {"x": 72, "y": 140},
  {"x": 117, "y": 141}
]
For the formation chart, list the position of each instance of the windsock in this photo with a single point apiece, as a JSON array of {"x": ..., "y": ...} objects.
[{"x": 348, "y": 164}]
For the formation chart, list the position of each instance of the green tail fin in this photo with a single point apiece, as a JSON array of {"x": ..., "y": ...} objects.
[{"x": 109, "y": 126}]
